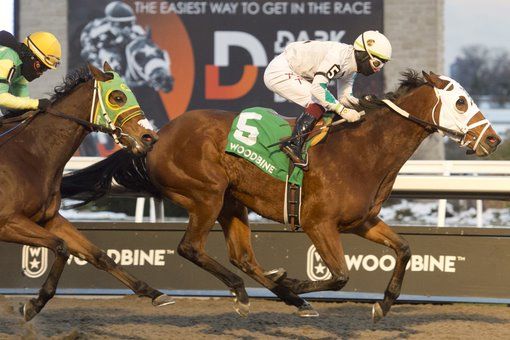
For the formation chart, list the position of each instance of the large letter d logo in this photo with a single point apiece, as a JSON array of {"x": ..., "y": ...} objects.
[{"x": 222, "y": 41}]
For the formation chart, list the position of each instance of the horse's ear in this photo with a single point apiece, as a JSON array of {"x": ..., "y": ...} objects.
[
  {"x": 434, "y": 80},
  {"x": 107, "y": 67},
  {"x": 148, "y": 32},
  {"x": 97, "y": 73}
]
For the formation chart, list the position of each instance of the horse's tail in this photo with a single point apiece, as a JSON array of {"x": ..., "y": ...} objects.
[{"x": 95, "y": 181}]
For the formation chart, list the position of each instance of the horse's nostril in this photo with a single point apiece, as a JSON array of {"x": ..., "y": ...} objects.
[
  {"x": 493, "y": 141},
  {"x": 148, "y": 139}
]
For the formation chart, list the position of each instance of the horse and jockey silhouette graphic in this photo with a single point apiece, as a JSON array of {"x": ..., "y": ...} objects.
[{"x": 127, "y": 48}]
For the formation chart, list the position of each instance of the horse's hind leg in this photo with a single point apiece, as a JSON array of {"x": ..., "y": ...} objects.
[
  {"x": 81, "y": 247},
  {"x": 234, "y": 221},
  {"x": 21, "y": 230},
  {"x": 378, "y": 231},
  {"x": 203, "y": 213}
]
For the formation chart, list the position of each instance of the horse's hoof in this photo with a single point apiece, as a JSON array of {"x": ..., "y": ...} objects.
[
  {"x": 377, "y": 312},
  {"x": 28, "y": 311},
  {"x": 307, "y": 311},
  {"x": 276, "y": 275},
  {"x": 163, "y": 300},
  {"x": 243, "y": 309}
]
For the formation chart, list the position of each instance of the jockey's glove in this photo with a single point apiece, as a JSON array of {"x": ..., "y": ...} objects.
[
  {"x": 349, "y": 115},
  {"x": 43, "y": 104},
  {"x": 350, "y": 102}
]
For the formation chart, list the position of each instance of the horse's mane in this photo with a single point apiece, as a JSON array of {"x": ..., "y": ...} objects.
[
  {"x": 410, "y": 80},
  {"x": 72, "y": 79}
]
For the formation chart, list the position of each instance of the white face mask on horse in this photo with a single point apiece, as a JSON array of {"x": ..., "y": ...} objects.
[
  {"x": 455, "y": 115},
  {"x": 456, "y": 112}
]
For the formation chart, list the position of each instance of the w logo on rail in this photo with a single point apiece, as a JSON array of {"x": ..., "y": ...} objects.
[
  {"x": 34, "y": 261},
  {"x": 315, "y": 267}
]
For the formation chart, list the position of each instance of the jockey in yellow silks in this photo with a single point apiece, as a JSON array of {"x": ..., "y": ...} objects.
[{"x": 20, "y": 63}]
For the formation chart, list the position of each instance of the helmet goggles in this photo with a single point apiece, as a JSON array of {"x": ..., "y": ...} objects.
[
  {"x": 48, "y": 60},
  {"x": 375, "y": 63}
]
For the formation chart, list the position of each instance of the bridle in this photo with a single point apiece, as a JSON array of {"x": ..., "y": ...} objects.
[
  {"x": 463, "y": 137},
  {"x": 467, "y": 130},
  {"x": 115, "y": 131},
  {"x": 427, "y": 125}
]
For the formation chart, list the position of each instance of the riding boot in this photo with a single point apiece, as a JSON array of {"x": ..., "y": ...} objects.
[{"x": 294, "y": 146}]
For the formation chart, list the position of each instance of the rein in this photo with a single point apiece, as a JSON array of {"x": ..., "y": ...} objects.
[
  {"x": 24, "y": 120},
  {"x": 394, "y": 107},
  {"x": 85, "y": 123},
  {"x": 314, "y": 131}
]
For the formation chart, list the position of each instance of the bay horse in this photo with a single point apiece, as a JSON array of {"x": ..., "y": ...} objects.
[
  {"x": 351, "y": 175},
  {"x": 33, "y": 155}
]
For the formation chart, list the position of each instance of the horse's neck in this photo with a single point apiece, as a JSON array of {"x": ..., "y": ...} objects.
[
  {"x": 59, "y": 138},
  {"x": 384, "y": 141},
  {"x": 400, "y": 137}
]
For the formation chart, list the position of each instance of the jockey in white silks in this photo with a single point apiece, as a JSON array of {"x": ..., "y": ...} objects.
[{"x": 303, "y": 71}]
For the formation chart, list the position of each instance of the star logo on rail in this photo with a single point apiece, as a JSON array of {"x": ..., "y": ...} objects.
[
  {"x": 315, "y": 266},
  {"x": 34, "y": 264},
  {"x": 320, "y": 269}
]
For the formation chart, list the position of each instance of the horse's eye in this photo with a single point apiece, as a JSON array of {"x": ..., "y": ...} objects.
[
  {"x": 117, "y": 98},
  {"x": 461, "y": 104}
]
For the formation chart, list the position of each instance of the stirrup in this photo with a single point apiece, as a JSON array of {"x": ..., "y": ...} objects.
[{"x": 303, "y": 164}]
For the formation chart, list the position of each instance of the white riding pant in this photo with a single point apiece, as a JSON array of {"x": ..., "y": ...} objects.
[{"x": 280, "y": 79}]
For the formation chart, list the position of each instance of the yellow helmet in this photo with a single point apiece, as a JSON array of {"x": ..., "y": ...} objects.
[{"x": 45, "y": 47}]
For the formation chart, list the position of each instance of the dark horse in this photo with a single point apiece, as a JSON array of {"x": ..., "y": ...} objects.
[
  {"x": 33, "y": 157},
  {"x": 351, "y": 175}
]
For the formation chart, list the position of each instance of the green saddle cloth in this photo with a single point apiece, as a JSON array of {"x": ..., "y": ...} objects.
[{"x": 252, "y": 131}]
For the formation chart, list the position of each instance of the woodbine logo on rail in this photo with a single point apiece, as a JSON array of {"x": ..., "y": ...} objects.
[
  {"x": 317, "y": 270},
  {"x": 35, "y": 260}
]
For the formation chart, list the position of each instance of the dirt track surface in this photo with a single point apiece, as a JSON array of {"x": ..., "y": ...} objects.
[{"x": 135, "y": 318}]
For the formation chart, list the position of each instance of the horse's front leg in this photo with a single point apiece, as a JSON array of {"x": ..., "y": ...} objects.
[
  {"x": 22, "y": 230},
  {"x": 378, "y": 231},
  {"x": 326, "y": 239},
  {"x": 81, "y": 247}
]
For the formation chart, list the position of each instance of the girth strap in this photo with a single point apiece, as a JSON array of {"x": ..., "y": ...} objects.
[{"x": 292, "y": 205}]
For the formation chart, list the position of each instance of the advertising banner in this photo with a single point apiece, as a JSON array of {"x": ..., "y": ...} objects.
[
  {"x": 447, "y": 263},
  {"x": 184, "y": 55}
]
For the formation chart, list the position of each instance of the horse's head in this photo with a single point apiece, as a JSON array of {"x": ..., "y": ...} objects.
[
  {"x": 115, "y": 107},
  {"x": 456, "y": 110},
  {"x": 147, "y": 64}
]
